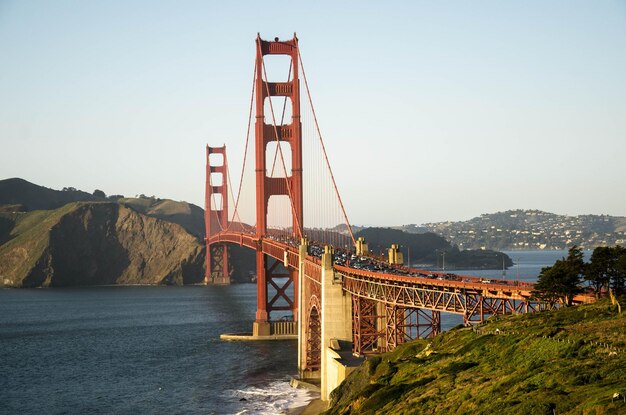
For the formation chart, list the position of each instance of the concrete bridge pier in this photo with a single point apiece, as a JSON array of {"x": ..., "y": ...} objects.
[
  {"x": 336, "y": 325},
  {"x": 304, "y": 292},
  {"x": 324, "y": 326}
]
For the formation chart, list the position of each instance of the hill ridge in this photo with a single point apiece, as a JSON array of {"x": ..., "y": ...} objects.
[{"x": 532, "y": 229}]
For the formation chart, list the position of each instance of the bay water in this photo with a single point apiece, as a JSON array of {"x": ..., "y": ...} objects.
[{"x": 139, "y": 350}]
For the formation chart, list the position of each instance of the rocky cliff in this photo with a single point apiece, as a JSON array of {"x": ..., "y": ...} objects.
[
  {"x": 188, "y": 215},
  {"x": 95, "y": 243}
]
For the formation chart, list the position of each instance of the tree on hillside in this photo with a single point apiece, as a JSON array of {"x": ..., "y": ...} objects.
[
  {"x": 561, "y": 282},
  {"x": 601, "y": 268},
  {"x": 99, "y": 193},
  {"x": 618, "y": 281},
  {"x": 607, "y": 269}
]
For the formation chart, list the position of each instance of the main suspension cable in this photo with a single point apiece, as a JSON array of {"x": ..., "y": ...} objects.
[
  {"x": 245, "y": 151},
  {"x": 319, "y": 133}
]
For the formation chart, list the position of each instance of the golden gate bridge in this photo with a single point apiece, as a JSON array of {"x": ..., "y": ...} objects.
[{"x": 288, "y": 210}]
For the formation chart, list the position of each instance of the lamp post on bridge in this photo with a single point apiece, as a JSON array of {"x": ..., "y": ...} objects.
[
  {"x": 408, "y": 255},
  {"x": 443, "y": 259}
]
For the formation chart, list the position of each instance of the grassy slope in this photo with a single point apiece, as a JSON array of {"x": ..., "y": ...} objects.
[
  {"x": 29, "y": 239},
  {"x": 518, "y": 372},
  {"x": 187, "y": 215}
]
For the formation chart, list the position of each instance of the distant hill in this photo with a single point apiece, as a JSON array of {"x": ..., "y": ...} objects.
[
  {"x": 430, "y": 249},
  {"x": 20, "y": 195},
  {"x": 412, "y": 228},
  {"x": 422, "y": 247},
  {"x": 533, "y": 229},
  {"x": 30, "y": 196}
]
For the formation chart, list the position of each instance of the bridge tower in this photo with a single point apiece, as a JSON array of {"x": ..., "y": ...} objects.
[
  {"x": 216, "y": 216},
  {"x": 270, "y": 280}
]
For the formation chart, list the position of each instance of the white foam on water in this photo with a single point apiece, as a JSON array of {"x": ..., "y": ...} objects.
[{"x": 277, "y": 397}]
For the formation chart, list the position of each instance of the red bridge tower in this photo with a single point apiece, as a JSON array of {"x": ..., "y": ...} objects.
[
  {"x": 269, "y": 280},
  {"x": 216, "y": 217}
]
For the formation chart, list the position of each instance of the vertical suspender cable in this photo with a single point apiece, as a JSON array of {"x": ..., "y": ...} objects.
[
  {"x": 324, "y": 149},
  {"x": 245, "y": 151}
]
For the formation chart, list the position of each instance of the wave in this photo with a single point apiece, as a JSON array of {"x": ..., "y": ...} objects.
[{"x": 277, "y": 397}]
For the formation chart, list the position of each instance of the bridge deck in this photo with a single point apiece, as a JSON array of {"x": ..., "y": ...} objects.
[{"x": 402, "y": 277}]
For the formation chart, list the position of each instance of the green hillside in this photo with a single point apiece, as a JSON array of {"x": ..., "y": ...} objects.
[
  {"x": 188, "y": 215},
  {"x": 18, "y": 195},
  {"x": 569, "y": 361},
  {"x": 28, "y": 239}
]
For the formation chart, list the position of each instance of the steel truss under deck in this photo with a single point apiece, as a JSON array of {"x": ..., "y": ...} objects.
[{"x": 473, "y": 304}]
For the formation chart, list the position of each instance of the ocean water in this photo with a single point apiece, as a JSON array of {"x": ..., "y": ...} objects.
[
  {"x": 526, "y": 265},
  {"x": 156, "y": 350},
  {"x": 149, "y": 350}
]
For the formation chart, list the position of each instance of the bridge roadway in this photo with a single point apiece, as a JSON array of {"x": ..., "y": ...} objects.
[{"x": 402, "y": 286}]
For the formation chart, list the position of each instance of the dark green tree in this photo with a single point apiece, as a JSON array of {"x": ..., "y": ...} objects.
[
  {"x": 548, "y": 286},
  {"x": 604, "y": 270},
  {"x": 561, "y": 282},
  {"x": 99, "y": 193},
  {"x": 598, "y": 272},
  {"x": 618, "y": 279}
]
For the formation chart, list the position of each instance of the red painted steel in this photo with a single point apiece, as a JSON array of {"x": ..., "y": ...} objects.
[
  {"x": 313, "y": 350},
  {"x": 270, "y": 186},
  {"x": 365, "y": 326},
  {"x": 216, "y": 219}
]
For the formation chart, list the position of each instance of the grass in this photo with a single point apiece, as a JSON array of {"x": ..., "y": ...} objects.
[
  {"x": 29, "y": 239},
  {"x": 189, "y": 216},
  {"x": 544, "y": 363}
]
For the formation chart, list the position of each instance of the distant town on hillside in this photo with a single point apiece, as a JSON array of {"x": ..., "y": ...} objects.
[{"x": 529, "y": 230}]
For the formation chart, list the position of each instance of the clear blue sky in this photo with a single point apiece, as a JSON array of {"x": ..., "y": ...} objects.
[{"x": 451, "y": 108}]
